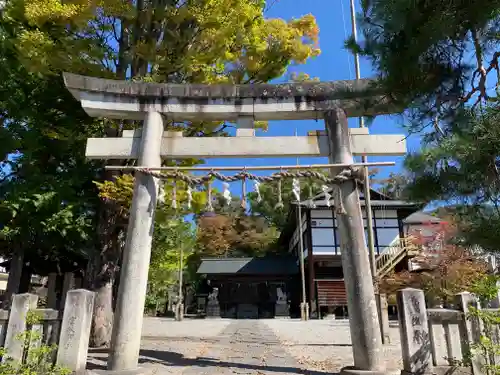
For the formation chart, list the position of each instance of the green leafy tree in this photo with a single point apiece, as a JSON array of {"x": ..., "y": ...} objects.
[
  {"x": 171, "y": 237},
  {"x": 223, "y": 41},
  {"x": 433, "y": 57},
  {"x": 266, "y": 208},
  {"x": 439, "y": 62}
]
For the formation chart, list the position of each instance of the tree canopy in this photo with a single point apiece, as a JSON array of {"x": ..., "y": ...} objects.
[
  {"x": 443, "y": 267},
  {"x": 439, "y": 61},
  {"x": 43, "y": 132},
  {"x": 434, "y": 57}
]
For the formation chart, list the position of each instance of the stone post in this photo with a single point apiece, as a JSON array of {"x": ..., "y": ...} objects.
[
  {"x": 75, "y": 330},
  {"x": 495, "y": 302},
  {"x": 52, "y": 291},
  {"x": 127, "y": 322},
  {"x": 470, "y": 332},
  {"x": 21, "y": 304},
  {"x": 414, "y": 331},
  {"x": 363, "y": 317},
  {"x": 68, "y": 284}
]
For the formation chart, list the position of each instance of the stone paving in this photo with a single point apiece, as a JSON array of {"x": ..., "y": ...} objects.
[{"x": 248, "y": 347}]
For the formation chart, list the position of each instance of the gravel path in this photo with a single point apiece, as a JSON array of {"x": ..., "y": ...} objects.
[
  {"x": 325, "y": 345},
  {"x": 249, "y": 347}
]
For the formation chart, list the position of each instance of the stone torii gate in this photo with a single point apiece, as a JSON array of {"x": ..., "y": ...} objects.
[{"x": 243, "y": 104}]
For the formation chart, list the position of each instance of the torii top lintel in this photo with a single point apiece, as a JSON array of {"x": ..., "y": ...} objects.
[{"x": 285, "y": 101}]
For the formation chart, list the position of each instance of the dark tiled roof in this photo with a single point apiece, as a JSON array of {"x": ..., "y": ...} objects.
[
  {"x": 420, "y": 217},
  {"x": 249, "y": 266}
]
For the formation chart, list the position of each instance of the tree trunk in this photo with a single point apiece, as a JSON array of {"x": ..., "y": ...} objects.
[
  {"x": 25, "y": 282},
  {"x": 101, "y": 273},
  {"x": 14, "y": 279},
  {"x": 102, "y": 321},
  {"x": 102, "y": 269}
]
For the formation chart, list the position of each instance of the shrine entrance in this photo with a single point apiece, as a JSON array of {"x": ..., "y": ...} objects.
[
  {"x": 241, "y": 104},
  {"x": 247, "y": 300},
  {"x": 252, "y": 288}
]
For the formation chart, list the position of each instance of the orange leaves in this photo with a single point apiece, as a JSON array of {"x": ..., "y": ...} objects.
[
  {"x": 442, "y": 267},
  {"x": 226, "y": 235}
]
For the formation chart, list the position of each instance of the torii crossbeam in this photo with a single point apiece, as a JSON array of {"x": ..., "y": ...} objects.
[{"x": 243, "y": 104}]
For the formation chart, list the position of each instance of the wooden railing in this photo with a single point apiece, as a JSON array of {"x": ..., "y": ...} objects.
[{"x": 386, "y": 261}]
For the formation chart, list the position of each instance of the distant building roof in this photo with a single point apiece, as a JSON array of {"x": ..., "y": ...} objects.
[
  {"x": 249, "y": 266},
  {"x": 420, "y": 217},
  {"x": 377, "y": 199}
]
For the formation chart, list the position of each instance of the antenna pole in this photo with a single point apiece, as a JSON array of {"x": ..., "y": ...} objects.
[
  {"x": 304, "y": 307},
  {"x": 366, "y": 191}
]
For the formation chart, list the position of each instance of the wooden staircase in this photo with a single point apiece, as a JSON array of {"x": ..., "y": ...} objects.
[{"x": 399, "y": 249}]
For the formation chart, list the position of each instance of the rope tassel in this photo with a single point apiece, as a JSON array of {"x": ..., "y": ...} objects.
[
  {"x": 296, "y": 189},
  {"x": 189, "y": 193},
  {"x": 210, "y": 207},
  {"x": 279, "y": 205},
  {"x": 256, "y": 188},
  {"x": 339, "y": 205},
  {"x": 327, "y": 195},
  {"x": 174, "y": 196},
  {"x": 226, "y": 193},
  {"x": 161, "y": 193},
  {"x": 244, "y": 193},
  {"x": 311, "y": 197}
]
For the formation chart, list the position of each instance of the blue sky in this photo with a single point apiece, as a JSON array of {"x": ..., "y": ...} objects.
[{"x": 334, "y": 63}]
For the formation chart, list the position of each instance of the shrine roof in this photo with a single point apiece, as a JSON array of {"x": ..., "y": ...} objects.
[
  {"x": 421, "y": 217},
  {"x": 249, "y": 266}
]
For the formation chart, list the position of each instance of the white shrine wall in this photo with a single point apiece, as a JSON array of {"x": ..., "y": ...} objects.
[{"x": 326, "y": 237}]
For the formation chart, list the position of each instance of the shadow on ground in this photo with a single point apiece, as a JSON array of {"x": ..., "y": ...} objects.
[
  {"x": 167, "y": 358},
  {"x": 216, "y": 341}
]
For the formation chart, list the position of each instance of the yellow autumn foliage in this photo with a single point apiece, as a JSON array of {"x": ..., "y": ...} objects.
[
  {"x": 203, "y": 41},
  {"x": 121, "y": 189},
  {"x": 179, "y": 41}
]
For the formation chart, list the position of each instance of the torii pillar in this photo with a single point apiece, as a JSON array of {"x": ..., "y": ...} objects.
[
  {"x": 334, "y": 101},
  {"x": 127, "y": 323},
  {"x": 363, "y": 317}
]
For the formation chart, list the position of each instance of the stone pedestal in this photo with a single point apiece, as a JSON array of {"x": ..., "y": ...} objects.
[
  {"x": 75, "y": 330},
  {"x": 21, "y": 305},
  {"x": 213, "y": 307},
  {"x": 247, "y": 311},
  {"x": 281, "y": 309},
  {"x": 414, "y": 331}
]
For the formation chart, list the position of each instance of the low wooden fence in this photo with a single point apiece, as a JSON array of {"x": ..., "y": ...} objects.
[
  {"x": 440, "y": 340},
  {"x": 69, "y": 329}
]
